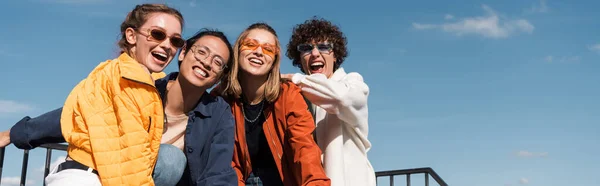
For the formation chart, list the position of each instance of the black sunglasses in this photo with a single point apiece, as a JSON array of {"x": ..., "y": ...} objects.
[{"x": 322, "y": 47}]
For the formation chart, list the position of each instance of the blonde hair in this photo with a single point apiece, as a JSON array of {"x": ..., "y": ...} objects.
[{"x": 230, "y": 86}]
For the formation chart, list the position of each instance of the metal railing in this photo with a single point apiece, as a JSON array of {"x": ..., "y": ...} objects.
[
  {"x": 63, "y": 147},
  {"x": 408, "y": 172},
  {"x": 48, "y": 147}
]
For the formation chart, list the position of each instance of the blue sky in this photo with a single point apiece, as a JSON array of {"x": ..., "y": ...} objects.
[{"x": 487, "y": 92}]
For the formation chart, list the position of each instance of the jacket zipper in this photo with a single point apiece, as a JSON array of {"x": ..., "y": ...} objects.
[
  {"x": 149, "y": 125},
  {"x": 273, "y": 140}
]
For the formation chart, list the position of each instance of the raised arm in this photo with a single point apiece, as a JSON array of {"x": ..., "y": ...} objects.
[{"x": 346, "y": 98}]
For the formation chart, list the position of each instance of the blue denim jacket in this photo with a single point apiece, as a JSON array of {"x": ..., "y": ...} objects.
[{"x": 209, "y": 138}]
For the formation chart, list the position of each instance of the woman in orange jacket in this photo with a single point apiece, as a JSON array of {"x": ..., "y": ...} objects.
[
  {"x": 273, "y": 139},
  {"x": 113, "y": 119}
]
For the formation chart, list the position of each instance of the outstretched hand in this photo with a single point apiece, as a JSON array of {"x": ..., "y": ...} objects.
[{"x": 4, "y": 138}]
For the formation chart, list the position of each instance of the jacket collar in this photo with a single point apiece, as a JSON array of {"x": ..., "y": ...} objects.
[
  {"x": 132, "y": 69},
  {"x": 339, "y": 74},
  {"x": 202, "y": 107}
]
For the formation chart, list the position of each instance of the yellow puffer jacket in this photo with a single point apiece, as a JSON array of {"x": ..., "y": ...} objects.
[{"x": 113, "y": 122}]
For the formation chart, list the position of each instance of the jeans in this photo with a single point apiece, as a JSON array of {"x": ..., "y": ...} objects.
[
  {"x": 170, "y": 165},
  {"x": 268, "y": 177},
  {"x": 253, "y": 180}
]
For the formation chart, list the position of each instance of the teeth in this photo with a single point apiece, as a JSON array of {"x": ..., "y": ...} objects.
[
  {"x": 201, "y": 72},
  {"x": 254, "y": 60},
  {"x": 317, "y": 64},
  {"x": 161, "y": 54}
]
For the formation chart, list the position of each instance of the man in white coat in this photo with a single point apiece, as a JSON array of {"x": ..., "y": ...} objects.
[{"x": 337, "y": 99}]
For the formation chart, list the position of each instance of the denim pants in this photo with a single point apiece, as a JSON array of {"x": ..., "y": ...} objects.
[
  {"x": 170, "y": 165},
  {"x": 268, "y": 178},
  {"x": 253, "y": 180}
]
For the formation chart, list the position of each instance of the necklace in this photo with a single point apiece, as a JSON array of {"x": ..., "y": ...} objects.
[{"x": 258, "y": 116}]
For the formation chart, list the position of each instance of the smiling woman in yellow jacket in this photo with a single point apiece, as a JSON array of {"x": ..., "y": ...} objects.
[{"x": 113, "y": 119}]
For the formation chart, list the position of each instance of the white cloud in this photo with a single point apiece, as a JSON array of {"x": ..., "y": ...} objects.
[
  {"x": 595, "y": 48},
  {"x": 448, "y": 16},
  {"x": 420, "y": 26},
  {"x": 8, "y": 106},
  {"x": 15, "y": 181},
  {"x": 549, "y": 58},
  {"x": 528, "y": 154},
  {"x": 491, "y": 25},
  {"x": 56, "y": 161},
  {"x": 569, "y": 59},
  {"x": 563, "y": 59},
  {"x": 38, "y": 173},
  {"x": 193, "y": 3},
  {"x": 541, "y": 7},
  {"x": 524, "y": 181}
]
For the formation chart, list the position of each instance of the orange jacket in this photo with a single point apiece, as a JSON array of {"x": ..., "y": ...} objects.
[
  {"x": 113, "y": 122},
  {"x": 288, "y": 129}
]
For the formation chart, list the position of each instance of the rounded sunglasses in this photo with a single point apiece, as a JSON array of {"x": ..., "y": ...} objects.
[{"x": 160, "y": 35}]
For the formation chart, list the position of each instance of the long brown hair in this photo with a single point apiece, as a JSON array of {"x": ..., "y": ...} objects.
[{"x": 230, "y": 85}]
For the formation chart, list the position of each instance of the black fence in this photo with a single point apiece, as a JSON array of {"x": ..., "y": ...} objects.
[
  {"x": 429, "y": 172},
  {"x": 408, "y": 172},
  {"x": 48, "y": 147}
]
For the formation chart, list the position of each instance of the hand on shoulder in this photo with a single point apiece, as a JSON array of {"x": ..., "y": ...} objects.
[{"x": 287, "y": 77}]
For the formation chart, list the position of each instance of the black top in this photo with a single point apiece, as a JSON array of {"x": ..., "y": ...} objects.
[{"x": 263, "y": 165}]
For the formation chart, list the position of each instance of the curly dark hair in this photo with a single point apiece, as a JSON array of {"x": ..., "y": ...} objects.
[{"x": 317, "y": 30}]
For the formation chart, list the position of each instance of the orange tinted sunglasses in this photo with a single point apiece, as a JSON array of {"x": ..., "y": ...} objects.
[{"x": 267, "y": 49}]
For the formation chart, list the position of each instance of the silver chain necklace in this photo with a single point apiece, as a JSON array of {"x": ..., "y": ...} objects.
[{"x": 258, "y": 116}]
